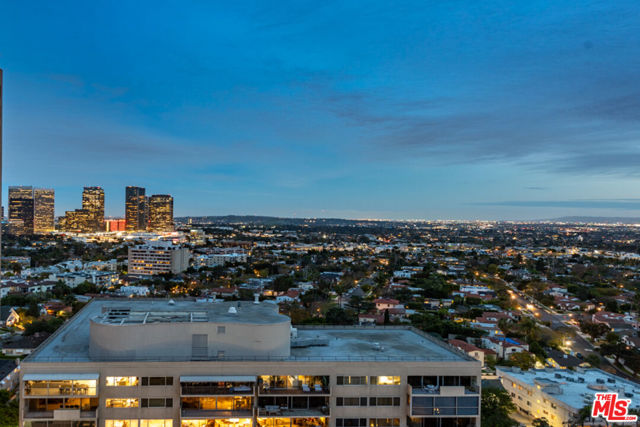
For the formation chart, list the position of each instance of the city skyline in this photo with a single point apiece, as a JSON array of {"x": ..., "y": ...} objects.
[{"x": 415, "y": 110}]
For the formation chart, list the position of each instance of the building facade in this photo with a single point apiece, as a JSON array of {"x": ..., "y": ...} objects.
[
  {"x": 43, "y": 210},
  {"x": 558, "y": 394},
  {"x": 21, "y": 210},
  {"x": 135, "y": 209},
  {"x": 115, "y": 225},
  {"x": 77, "y": 221},
  {"x": 159, "y": 363},
  {"x": 93, "y": 203},
  {"x": 157, "y": 258},
  {"x": 161, "y": 213}
]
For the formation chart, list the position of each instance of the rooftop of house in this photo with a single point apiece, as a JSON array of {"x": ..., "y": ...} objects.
[
  {"x": 314, "y": 343},
  {"x": 576, "y": 388}
]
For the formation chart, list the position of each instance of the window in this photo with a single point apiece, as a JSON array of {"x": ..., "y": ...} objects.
[
  {"x": 156, "y": 423},
  {"x": 122, "y": 381},
  {"x": 384, "y": 422},
  {"x": 61, "y": 388},
  {"x": 384, "y": 401},
  {"x": 157, "y": 403},
  {"x": 122, "y": 403},
  {"x": 120, "y": 423},
  {"x": 385, "y": 380},
  {"x": 351, "y": 401},
  {"x": 351, "y": 422},
  {"x": 344, "y": 380},
  {"x": 222, "y": 330},
  {"x": 147, "y": 381}
]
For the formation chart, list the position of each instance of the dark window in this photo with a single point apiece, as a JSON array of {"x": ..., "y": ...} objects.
[
  {"x": 144, "y": 381},
  {"x": 156, "y": 403},
  {"x": 351, "y": 422},
  {"x": 156, "y": 380},
  {"x": 169, "y": 403},
  {"x": 169, "y": 380}
]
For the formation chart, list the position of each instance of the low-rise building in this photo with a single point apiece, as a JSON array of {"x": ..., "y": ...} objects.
[
  {"x": 559, "y": 394},
  {"x": 157, "y": 258}
]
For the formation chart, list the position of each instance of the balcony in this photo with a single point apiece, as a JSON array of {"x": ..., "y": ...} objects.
[
  {"x": 214, "y": 413},
  {"x": 426, "y": 405},
  {"x": 283, "y": 411},
  {"x": 211, "y": 390},
  {"x": 303, "y": 389},
  {"x": 442, "y": 390},
  {"x": 61, "y": 415}
]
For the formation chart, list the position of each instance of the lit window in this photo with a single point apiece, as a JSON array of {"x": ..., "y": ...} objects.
[
  {"x": 156, "y": 423},
  {"x": 120, "y": 423},
  {"x": 122, "y": 403},
  {"x": 385, "y": 380},
  {"x": 122, "y": 381}
]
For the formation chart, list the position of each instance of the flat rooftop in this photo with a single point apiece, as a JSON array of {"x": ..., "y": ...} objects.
[
  {"x": 314, "y": 343},
  {"x": 575, "y": 393}
]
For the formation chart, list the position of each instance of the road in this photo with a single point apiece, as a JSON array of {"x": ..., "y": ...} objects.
[{"x": 578, "y": 343}]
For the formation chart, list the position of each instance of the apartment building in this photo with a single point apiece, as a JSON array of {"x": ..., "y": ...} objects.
[
  {"x": 157, "y": 258},
  {"x": 559, "y": 394},
  {"x": 165, "y": 363}
]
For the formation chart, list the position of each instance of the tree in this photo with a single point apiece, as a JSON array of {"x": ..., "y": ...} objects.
[
  {"x": 524, "y": 360},
  {"x": 593, "y": 360},
  {"x": 282, "y": 283},
  {"x": 581, "y": 416},
  {"x": 338, "y": 316},
  {"x": 496, "y": 406},
  {"x": 540, "y": 422}
]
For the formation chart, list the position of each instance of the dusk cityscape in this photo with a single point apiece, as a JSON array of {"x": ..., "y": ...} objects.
[{"x": 304, "y": 214}]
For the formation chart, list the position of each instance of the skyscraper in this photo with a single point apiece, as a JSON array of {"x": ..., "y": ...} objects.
[
  {"x": 93, "y": 203},
  {"x": 135, "y": 209},
  {"x": 43, "y": 210},
  {"x": 161, "y": 213},
  {"x": 77, "y": 221},
  {"x": 21, "y": 210}
]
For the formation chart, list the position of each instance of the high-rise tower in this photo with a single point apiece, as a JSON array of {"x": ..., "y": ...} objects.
[
  {"x": 43, "y": 210},
  {"x": 135, "y": 209},
  {"x": 21, "y": 210},
  {"x": 161, "y": 213},
  {"x": 93, "y": 203}
]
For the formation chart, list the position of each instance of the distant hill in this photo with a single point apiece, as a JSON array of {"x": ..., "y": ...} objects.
[
  {"x": 272, "y": 220},
  {"x": 598, "y": 219}
]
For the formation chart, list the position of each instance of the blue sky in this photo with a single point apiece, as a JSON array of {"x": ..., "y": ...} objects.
[{"x": 425, "y": 109}]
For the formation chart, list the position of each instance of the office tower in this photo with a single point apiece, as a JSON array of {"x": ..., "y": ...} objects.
[
  {"x": 43, "y": 210},
  {"x": 21, "y": 210},
  {"x": 181, "y": 363},
  {"x": 78, "y": 221},
  {"x": 93, "y": 202},
  {"x": 160, "y": 213},
  {"x": 135, "y": 209}
]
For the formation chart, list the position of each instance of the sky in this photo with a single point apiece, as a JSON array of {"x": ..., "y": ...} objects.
[{"x": 424, "y": 109}]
